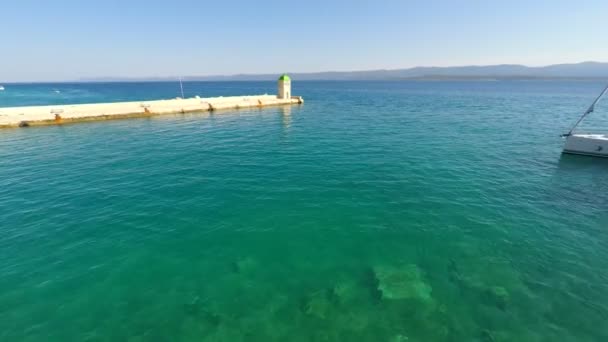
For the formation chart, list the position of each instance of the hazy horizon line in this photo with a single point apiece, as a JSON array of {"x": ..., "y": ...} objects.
[{"x": 220, "y": 77}]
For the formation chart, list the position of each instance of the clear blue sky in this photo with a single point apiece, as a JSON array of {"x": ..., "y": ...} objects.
[{"x": 70, "y": 39}]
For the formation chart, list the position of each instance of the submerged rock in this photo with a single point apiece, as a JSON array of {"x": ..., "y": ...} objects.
[
  {"x": 400, "y": 338},
  {"x": 405, "y": 282},
  {"x": 317, "y": 304},
  {"x": 197, "y": 308},
  {"x": 211, "y": 318},
  {"x": 243, "y": 265},
  {"x": 357, "y": 320},
  {"x": 192, "y": 308},
  {"x": 487, "y": 336},
  {"x": 498, "y": 296},
  {"x": 346, "y": 291},
  {"x": 454, "y": 273}
]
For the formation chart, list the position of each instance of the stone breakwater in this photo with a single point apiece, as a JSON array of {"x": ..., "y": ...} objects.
[{"x": 59, "y": 114}]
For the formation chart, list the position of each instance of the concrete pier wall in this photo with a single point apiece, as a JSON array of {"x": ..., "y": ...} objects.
[{"x": 58, "y": 114}]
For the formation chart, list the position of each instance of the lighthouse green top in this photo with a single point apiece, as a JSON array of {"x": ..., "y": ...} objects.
[{"x": 284, "y": 77}]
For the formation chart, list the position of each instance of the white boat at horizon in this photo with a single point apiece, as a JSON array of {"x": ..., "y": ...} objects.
[
  {"x": 587, "y": 144},
  {"x": 1, "y": 88}
]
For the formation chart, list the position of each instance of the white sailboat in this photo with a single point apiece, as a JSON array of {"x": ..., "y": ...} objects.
[
  {"x": 1, "y": 88},
  {"x": 587, "y": 144}
]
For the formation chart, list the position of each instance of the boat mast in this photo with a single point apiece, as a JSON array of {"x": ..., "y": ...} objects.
[
  {"x": 589, "y": 111},
  {"x": 181, "y": 86}
]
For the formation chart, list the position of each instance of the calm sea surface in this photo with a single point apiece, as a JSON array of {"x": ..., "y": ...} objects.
[{"x": 376, "y": 211}]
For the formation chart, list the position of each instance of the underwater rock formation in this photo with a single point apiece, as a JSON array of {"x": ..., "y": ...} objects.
[
  {"x": 498, "y": 296},
  {"x": 317, "y": 304},
  {"x": 405, "y": 282},
  {"x": 355, "y": 321},
  {"x": 487, "y": 336},
  {"x": 346, "y": 291},
  {"x": 400, "y": 338},
  {"x": 243, "y": 265}
]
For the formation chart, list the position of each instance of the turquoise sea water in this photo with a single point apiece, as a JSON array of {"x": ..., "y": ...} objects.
[{"x": 376, "y": 211}]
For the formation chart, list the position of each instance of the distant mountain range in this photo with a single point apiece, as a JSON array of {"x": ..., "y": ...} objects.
[{"x": 490, "y": 72}]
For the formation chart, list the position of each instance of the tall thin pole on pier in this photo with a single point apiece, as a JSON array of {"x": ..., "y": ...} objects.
[{"x": 181, "y": 87}]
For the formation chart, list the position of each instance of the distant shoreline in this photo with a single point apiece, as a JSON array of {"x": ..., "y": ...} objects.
[
  {"x": 584, "y": 70},
  {"x": 412, "y": 79},
  {"x": 575, "y": 71}
]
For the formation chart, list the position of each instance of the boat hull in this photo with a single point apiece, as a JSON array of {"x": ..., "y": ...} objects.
[{"x": 594, "y": 145}]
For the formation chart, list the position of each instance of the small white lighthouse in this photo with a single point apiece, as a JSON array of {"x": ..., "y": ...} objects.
[{"x": 284, "y": 87}]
